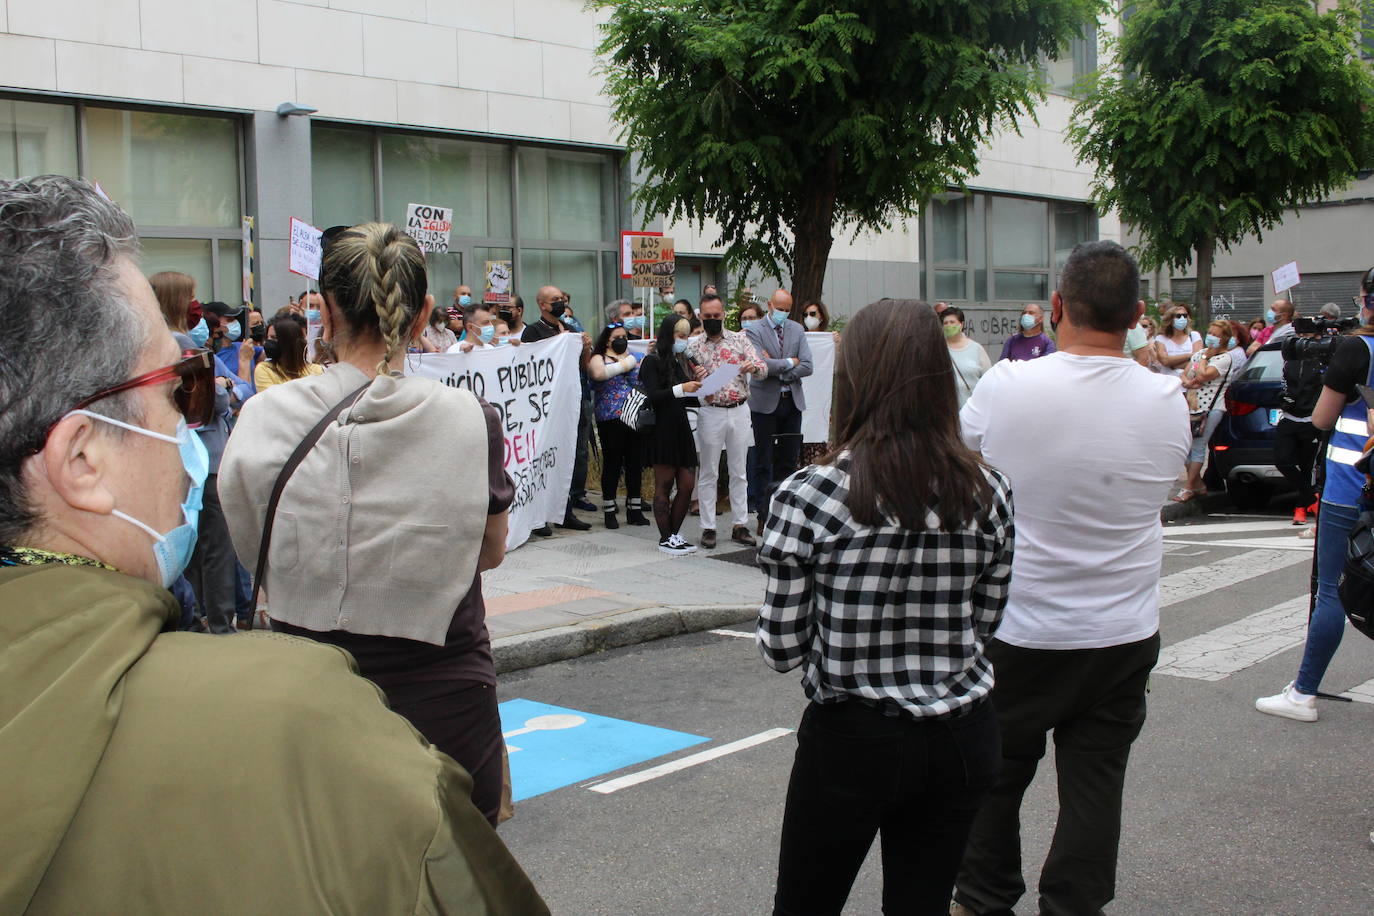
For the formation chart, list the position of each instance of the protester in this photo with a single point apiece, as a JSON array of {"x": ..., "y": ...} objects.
[
  {"x": 1257, "y": 325},
  {"x": 237, "y": 351},
  {"x": 620, "y": 311},
  {"x": 1279, "y": 319},
  {"x": 1341, "y": 410},
  {"x": 1081, "y": 630},
  {"x": 1032, "y": 342},
  {"x": 749, "y": 312},
  {"x": 721, "y": 424},
  {"x": 1210, "y": 374},
  {"x": 669, "y": 449},
  {"x": 211, "y": 572},
  {"x": 1296, "y": 439},
  {"x": 684, "y": 308},
  {"x": 462, "y": 295},
  {"x": 504, "y": 337},
  {"x": 479, "y": 326},
  {"x": 777, "y": 400},
  {"x": 513, "y": 314},
  {"x": 816, "y": 319},
  {"x": 614, "y": 372},
  {"x": 636, "y": 322},
  {"x": 1240, "y": 345},
  {"x": 887, "y": 571},
  {"x": 438, "y": 337},
  {"x": 1175, "y": 346},
  {"x": 329, "y": 801},
  {"x": 968, "y": 356},
  {"x": 357, "y": 561},
  {"x": 285, "y": 351}
]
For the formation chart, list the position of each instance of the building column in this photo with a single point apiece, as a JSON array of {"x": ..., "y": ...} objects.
[{"x": 277, "y": 150}]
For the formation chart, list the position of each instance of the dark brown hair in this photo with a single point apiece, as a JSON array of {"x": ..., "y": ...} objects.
[
  {"x": 897, "y": 415},
  {"x": 290, "y": 360},
  {"x": 825, "y": 314}
]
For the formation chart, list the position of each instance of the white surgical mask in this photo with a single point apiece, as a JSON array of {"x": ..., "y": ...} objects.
[{"x": 812, "y": 322}]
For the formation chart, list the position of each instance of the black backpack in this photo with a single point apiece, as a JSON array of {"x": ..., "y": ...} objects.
[{"x": 1357, "y": 578}]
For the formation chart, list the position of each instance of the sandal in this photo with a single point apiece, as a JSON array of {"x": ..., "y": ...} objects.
[{"x": 1184, "y": 495}]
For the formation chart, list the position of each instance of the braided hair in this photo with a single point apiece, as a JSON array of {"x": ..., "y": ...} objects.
[{"x": 376, "y": 274}]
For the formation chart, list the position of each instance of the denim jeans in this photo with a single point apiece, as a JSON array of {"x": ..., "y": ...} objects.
[
  {"x": 1327, "y": 624},
  {"x": 858, "y": 773}
]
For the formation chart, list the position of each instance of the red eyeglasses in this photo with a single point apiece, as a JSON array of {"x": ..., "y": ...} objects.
[{"x": 194, "y": 396}]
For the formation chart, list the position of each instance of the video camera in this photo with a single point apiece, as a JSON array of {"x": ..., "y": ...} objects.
[{"x": 1328, "y": 331}]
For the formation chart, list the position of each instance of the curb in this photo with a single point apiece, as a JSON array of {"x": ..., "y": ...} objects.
[
  {"x": 556, "y": 644},
  {"x": 1200, "y": 505}
]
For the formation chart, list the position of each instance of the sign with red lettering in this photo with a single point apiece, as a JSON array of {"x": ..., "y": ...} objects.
[{"x": 430, "y": 227}]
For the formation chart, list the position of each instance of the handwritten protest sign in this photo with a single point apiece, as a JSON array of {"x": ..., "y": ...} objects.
[
  {"x": 627, "y": 237},
  {"x": 653, "y": 262},
  {"x": 1286, "y": 277},
  {"x": 499, "y": 274},
  {"x": 306, "y": 249},
  {"x": 429, "y": 226},
  {"x": 535, "y": 388}
]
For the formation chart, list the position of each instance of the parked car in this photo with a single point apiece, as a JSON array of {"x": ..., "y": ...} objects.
[{"x": 1242, "y": 448}]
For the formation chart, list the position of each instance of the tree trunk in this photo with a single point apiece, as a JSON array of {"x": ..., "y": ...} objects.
[
  {"x": 811, "y": 234},
  {"x": 1205, "y": 253}
]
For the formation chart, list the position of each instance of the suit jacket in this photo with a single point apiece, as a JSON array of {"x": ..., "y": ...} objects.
[{"x": 764, "y": 393}]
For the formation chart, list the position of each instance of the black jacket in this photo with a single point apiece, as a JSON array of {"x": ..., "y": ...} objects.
[{"x": 1302, "y": 385}]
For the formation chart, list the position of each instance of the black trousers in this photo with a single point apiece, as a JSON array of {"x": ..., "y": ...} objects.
[
  {"x": 1295, "y": 454},
  {"x": 777, "y": 449},
  {"x": 622, "y": 456},
  {"x": 214, "y": 568},
  {"x": 1094, "y": 702},
  {"x": 858, "y": 773},
  {"x": 578, "y": 488}
]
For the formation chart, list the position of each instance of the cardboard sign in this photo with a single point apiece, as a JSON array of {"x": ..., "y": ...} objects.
[
  {"x": 626, "y": 256},
  {"x": 653, "y": 262},
  {"x": 429, "y": 226},
  {"x": 499, "y": 274},
  {"x": 1286, "y": 277},
  {"x": 306, "y": 249}
]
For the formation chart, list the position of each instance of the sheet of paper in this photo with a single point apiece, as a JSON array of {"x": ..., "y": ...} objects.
[{"x": 718, "y": 379}]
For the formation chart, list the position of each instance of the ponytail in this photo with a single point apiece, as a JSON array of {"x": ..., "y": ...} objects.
[{"x": 376, "y": 275}]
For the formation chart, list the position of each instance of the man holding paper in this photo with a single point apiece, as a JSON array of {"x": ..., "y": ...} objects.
[{"x": 725, "y": 360}]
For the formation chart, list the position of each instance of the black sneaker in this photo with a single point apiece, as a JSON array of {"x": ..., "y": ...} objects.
[
  {"x": 582, "y": 505},
  {"x": 543, "y": 531},
  {"x": 573, "y": 523}
]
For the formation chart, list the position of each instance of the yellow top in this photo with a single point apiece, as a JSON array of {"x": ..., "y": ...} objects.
[{"x": 267, "y": 374}]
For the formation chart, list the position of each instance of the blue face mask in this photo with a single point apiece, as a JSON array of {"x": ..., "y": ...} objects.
[
  {"x": 778, "y": 318},
  {"x": 634, "y": 323},
  {"x": 1269, "y": 316},
  {"x": 501, "y": 342},
  {"x": 568, "y": 319},
  {"x": 679, "y": 346},
  {"x": 1213, "y": 341},
  {"x": 487, "y": 333},
  {"x": 200, "y": 334},
  {"x": 465, "y": 300},
  {"x": 1180, "y": 323},
  {"x": 233, "y": 331},
  {"x": 1028, "y": 322},
  {"x": 312, "y": 314},
  {"x": 173, "y": 550}
]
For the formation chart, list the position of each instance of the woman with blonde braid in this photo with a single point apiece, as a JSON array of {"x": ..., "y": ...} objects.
[{"x": 365, "y": 554}]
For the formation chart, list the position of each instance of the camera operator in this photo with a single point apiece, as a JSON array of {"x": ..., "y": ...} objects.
[
  {"x": 1295, "y": 438},
  {"x": 1340, "y": 409}
]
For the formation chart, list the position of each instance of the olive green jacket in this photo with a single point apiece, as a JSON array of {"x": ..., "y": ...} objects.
[{"x": 151, "y": 772}]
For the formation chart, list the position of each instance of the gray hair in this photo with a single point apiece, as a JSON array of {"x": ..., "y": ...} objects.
[
  {"x": 613, "y": 309},
  {"x": 1330, "y": 310},
  {"x": 69, "y": 329}
]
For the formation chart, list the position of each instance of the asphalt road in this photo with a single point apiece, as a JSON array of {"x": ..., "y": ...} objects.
[{"x": 1227, "y": 810}]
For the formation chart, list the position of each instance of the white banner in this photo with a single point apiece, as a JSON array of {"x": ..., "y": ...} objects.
[{"x": 536, "y": 389}]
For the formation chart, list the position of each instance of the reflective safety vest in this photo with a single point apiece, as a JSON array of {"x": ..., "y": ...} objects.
[{"x": 1343, "y": 482}]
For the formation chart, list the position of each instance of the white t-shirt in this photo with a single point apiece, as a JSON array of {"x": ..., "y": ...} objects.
[
  {"x": 1092, "y": 445},
  {"x": 1212, "y": 394},
  {"x": 1173, "y": 348}
]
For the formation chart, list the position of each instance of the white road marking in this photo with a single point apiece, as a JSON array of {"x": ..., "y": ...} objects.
[
  {"x": 735, "y": 633},
  {"x": 1361, "y": 693},
  {"x": 1199, "y": 580},
  {"x": 1230, "y": 528},
  {"x": 1292, "y": 542},
  {"x": 1219, "y": 653},
  {"x": 682, "y": 763},
  {"x": 1241, "y": 515}
]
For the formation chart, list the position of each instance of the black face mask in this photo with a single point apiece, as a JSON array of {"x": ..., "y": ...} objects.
[
  {"x": 713, "y": 326},
  {"x": 619, "y": 345},
  {"x": 271, "y": 348},
  {"x": 557, "y": 308},
  {"x": 506, "y": 315},
  {"x": 258, "y": 333}
]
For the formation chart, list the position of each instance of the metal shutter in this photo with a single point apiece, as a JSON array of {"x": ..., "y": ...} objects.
[
  {"x": 1236, "y": 298},
  {"x": 1316, "y": 290}
]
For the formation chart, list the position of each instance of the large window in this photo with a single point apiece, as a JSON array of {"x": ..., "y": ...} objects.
[
  {"x": 949, "y": 247},
  {"x": 1077, "y": 60},
  {"x": 552, "y": 211},
  {"x": 176, "y": 174},
  {"x": 1020, "y": 240}
]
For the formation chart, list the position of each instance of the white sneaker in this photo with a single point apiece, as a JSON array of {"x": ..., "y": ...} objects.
[
  {"x": 1286, "y": 704},
  {"x": 683, "y": 545},
  {"x": 675, "y": 546}
]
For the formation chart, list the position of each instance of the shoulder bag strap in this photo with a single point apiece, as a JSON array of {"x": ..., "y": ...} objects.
[
  {"x": 287, "y": 470},
  {"x": 1222, "y": 387}
]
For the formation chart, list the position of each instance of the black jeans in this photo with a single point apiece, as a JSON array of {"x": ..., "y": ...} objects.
[
  {"x": 777, "y": 449},
  {"x": 621, "y": 455},
  {"x": 1094, "y": 702},
  {"x": 578, "y": 488},
  {"x": 214, "y": 569},
  {"x": 858, "y": 772},
  {"x": 1295, "y": 454}
]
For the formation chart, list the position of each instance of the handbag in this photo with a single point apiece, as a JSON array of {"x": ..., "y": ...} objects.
[
  {"x": 637, "y": 413},
  {"x": 1356, "y": 585},
  {"x": 287, "y": 470}
]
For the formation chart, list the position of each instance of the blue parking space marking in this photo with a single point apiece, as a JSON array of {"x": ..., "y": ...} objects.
[{"x": 551, "y": 747}]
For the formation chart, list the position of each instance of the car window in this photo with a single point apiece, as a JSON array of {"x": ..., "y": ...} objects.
[{"x": 1264, "y": 365}]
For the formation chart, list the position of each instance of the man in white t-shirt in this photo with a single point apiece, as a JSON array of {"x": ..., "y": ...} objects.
[{"x": 1092, "y": 442}]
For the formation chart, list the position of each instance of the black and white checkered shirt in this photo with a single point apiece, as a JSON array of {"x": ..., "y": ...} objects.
[{"x": 890, "y": 616}]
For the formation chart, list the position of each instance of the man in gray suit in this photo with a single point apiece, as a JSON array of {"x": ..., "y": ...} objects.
[{"x": 776, "y": 402}]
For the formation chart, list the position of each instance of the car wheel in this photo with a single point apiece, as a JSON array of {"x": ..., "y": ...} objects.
[{"x": 1249, "y": 494}]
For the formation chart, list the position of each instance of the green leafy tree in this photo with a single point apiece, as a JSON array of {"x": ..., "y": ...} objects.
[
  {"x": 1224, "y": 115},
  {"x": 783, "y": 119}
]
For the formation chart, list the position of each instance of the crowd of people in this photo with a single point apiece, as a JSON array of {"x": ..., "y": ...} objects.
[{"x": 930, "y": 618}]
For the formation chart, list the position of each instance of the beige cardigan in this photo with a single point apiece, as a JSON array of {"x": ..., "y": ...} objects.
[{"x": 379, "y": 529}]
